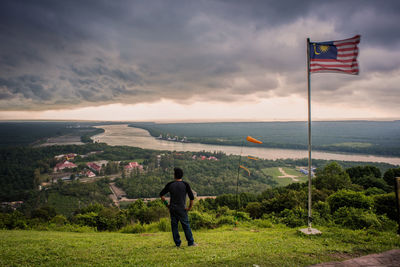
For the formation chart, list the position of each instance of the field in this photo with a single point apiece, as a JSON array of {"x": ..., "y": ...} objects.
[
  {"x": 283, "y": 181},
  {"x": 277, "y": 246}
]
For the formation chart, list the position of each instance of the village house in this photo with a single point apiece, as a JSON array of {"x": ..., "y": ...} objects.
[
  {"x": 304, "y": 170},
  {"x": 64, "y": 165},
  {"x": 93, "y": 166},
  {"x": 87, "y": 173},
  {"x": 132, "y": 166}
]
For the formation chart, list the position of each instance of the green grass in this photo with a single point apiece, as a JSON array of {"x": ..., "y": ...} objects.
[
  {"x": 275, "y": 173},
  {"x": 277, "y": 246}
]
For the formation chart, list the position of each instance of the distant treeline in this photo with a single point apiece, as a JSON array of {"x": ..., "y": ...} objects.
[
  {"x": 366, "y": 137},
  {"x": 32, "y": 133}
]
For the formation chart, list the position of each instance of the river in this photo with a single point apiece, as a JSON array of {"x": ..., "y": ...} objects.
[{"x": 122, "y": 135}]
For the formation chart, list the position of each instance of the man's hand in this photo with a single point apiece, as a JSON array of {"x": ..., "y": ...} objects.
[
  {"x": 190, "y": 205},
  {"x": 165, "y": 202}
]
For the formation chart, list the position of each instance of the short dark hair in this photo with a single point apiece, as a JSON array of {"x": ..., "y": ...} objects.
[{"x": 178, "y": 173}]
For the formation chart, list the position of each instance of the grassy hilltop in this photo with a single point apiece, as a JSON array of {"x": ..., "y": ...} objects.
[{"x": 242, "y": 246}]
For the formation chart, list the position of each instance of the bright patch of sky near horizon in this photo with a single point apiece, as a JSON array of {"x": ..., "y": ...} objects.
[
  {"x": 193, "y": 60},
  {"x": 277, "y": 109}
]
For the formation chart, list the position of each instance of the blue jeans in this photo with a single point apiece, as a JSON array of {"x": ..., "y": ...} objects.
[{"x": 180, "y": 215}]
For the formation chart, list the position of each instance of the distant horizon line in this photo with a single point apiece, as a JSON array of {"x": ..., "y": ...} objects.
[{"x": 200, "y": 120}]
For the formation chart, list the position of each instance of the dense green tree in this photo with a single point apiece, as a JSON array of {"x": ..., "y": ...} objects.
[
  {"x": 44, "y": 213},
  {"x": 254, "y": 209},
  {"x": 371, "y": 181},
  {"x": 390, "y": 175},
  {"x": 332, "y": 177},
  {"x": 361, "y": 171},
  {"x": 347, "y": 198},
  {"x": 386, "y": 204},
  {"x": 367, "y": 176}
]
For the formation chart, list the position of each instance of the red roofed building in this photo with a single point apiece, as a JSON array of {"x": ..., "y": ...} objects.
[
  {"x": 88, "y": 173},
  {"x": 94, "y": 166},
  {"x": 64, "y": 165},
  {"x": 133, "y": 165}
]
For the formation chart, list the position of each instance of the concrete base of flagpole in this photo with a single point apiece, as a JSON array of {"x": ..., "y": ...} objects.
[{"x": 310, "y": 231}]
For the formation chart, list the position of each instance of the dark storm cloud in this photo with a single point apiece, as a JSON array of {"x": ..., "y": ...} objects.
[{"x": 77, "y": 53}]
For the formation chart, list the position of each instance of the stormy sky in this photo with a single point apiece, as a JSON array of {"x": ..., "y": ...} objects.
[{"x": 222, "y": 59}]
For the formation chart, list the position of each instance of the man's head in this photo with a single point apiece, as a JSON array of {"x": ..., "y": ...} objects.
[{"x": 178, "y": 173}]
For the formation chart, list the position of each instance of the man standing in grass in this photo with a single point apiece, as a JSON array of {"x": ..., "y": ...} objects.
[{"x": 177, "y": 206}]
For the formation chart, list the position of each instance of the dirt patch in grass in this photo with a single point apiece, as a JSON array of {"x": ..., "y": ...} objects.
[
  {"x": 148, "y": 234},
  {"x": 342, "y": 256}
]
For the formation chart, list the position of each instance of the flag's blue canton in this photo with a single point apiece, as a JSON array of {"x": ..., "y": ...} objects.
[{"x": 325, "y": 50}]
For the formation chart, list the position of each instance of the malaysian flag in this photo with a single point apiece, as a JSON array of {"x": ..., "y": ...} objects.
[{"x": 335, "y": 56}]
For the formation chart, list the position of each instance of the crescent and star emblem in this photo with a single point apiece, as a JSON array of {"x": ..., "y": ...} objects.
[
  {"x": 315, "y": 50},
  {"x": 322, "y": 48}
]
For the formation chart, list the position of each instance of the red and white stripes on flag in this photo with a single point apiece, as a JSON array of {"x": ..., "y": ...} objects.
[{"x": 335, "y": 56}]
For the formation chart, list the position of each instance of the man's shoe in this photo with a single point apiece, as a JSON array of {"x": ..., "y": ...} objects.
[{"x": 194, "y": 245}]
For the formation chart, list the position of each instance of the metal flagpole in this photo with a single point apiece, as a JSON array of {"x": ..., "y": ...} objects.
[
  {"x": 309, "y": 230},
  {"x": 237, "y": 180},
  {"x": 309, "y": 134}
]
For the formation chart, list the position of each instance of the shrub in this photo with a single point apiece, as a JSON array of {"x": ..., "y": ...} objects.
[
  {"x": 164, "y": 225},
  {"x": 110, "y": 219},
  {"x": 294, "y": 217},
  {"x": 201, "y": 220},
  {"x": 288, "y": 199},
  {"x": 321, "y": 213},
  {"x": 263, "y": 223},
  {"x": 242, "y": 216},
  {"x": 44, "y": 213},
  {"x": 355, "y": 218},
  {"x": 151, "y": 228},
  {"x": 374, "y": 191},
  {"x": 322, "y": 208},
  {"x": 59, "y": 220},
  {"x": 133, "y": 229},
  {"x": 224, "y": 210},
  {"x": 152, "y": 214},
  {"x": 14, "y": 220},
  {"x": 386, "y": 204},
  {"x": 254, "y": 209},
  {"x": 88, "y": 219},
  {"x": 387, "y": 224},
  {"x": 226, "y": 220},
  {"x": 347, "y": 198}
]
